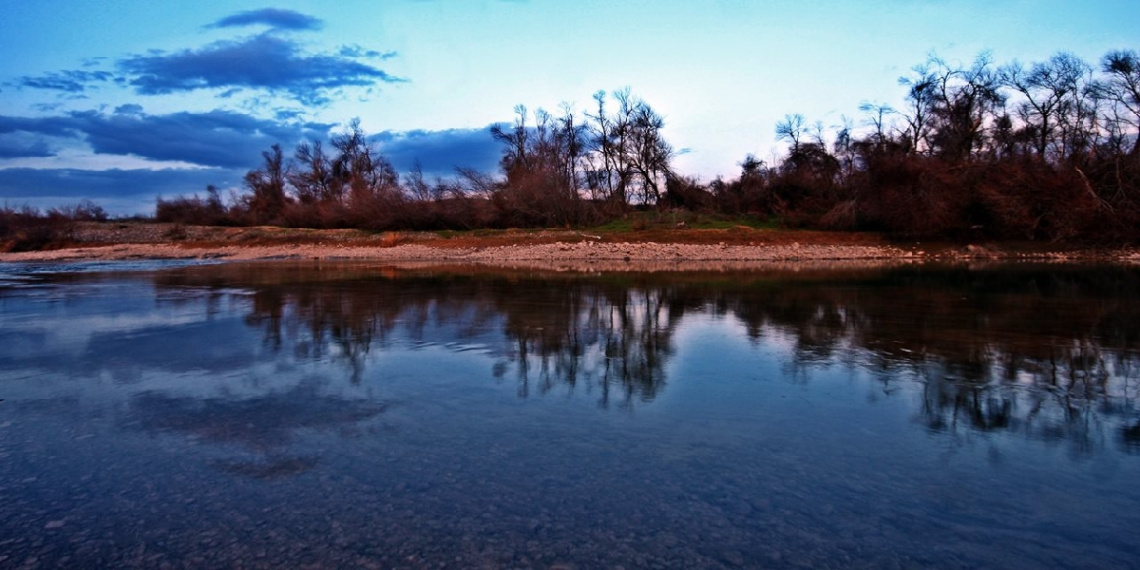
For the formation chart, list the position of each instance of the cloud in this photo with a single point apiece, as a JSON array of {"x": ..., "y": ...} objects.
[
  {"x": 119, "y": 192},
  {"x": 217, "y": 138},
  {"x": 265, "y": 61},
  {"x": 261, "y": 424},
  {"x": 20, "y": 145},
  {"x": 129, "y": 109},
  {"x": 225, "y": 139},
  {"x": 71, "y": 81},
  {"x": 221, "y": 139},
  {"x": 356, "y": 51},
  {"x": 221, "y": 146},
  {"x": 273, "y": 17},
  {"x": 35, "y": 186},
  {"x": 440, "y": 152},
  {"x": 52, "y": 126},
  {"x": 270, "y": 62}
]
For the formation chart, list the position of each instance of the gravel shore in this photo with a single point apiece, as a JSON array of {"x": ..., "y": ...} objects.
[{"x": 556, "y": 249}]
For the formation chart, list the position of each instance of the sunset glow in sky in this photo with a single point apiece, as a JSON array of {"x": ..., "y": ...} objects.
[{"x": 124, "y": 100}]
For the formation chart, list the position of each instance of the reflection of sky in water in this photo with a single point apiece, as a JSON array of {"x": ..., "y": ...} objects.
[{"x": 344, "y": 418}]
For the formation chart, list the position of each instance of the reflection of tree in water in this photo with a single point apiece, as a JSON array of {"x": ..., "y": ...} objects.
[
  {"x": 569, "y": 332},
  {"x": 607, "y": 337},
  {"x": 1052, "y": 354}
]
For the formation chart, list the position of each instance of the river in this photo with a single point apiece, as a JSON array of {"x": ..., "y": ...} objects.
[{"x": 377, "y": 416}]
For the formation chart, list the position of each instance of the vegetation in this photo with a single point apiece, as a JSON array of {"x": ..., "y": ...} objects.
[
  {"x": 29, "y": 229},
  {"x": 1041, "y": 151}
]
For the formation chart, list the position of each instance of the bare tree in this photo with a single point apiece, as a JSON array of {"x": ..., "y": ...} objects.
[
  {"x": 1121, "y": 87},
  {"x": 361, "y": 168},
  {"x": 649, "y": 153},
  {"x": 267, "y": 185},
  {"x": 920, "y": 97},
  {"x": 877, "y": 114},
  {"x": 1053, "y": 104},
  {"x": 314, "y": 180},
  {"x": 964, "y": 98},
  {"x": 792, "y": 129},
  {"x": 515, "y": 138}
]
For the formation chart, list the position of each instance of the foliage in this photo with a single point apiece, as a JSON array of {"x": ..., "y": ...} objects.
[
  {"x": 1042, "y": 151},
  {"x": 29, "y": 229}
]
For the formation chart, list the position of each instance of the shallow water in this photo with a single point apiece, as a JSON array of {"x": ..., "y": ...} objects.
[{"x": 356, "y": 415}]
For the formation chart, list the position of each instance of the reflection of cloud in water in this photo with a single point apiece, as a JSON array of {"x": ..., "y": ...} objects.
[
  {"x": 272, "y": 467},
  {"x": 224, "y": 344},
  {"x": 122, "y": 325},
  {"x": 263, "y": 425}
]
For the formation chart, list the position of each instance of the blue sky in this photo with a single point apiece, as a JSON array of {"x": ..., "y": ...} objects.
[{"x": 123, "y": 100}]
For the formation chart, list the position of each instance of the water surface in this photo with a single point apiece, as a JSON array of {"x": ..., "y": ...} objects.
[{"x": 343, "y": 415}]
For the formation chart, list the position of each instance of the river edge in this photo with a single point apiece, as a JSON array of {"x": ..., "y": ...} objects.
[{"x": 669, "y": 250}]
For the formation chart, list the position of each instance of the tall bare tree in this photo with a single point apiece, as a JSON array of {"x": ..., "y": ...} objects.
[
  {"x": 1121, "y": 87},
  {"x": 267, "y": 185}
]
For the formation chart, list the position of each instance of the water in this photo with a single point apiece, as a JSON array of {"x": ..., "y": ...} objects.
[{"x": 355, "y": 415}]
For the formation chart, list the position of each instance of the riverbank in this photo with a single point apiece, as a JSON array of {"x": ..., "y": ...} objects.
[{"x": 599, "y": 250}]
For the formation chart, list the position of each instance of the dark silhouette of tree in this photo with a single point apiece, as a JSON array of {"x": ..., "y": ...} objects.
[
  {"x": 1053, "y": 108},
  {"x": 371, "y": 181},
  {"x": 314, "y": 180},
  {"x": 541, "y": 168},
  {"x": 628, "y": 158},
  {"x": 267, "y": 185},
  {"x": 793, "y": 130},
  {"x": 877, "y": 115},
  {"x": 964, "y": 98},
  {"x": 1121, "y": 87},
  {"x": 920, "y": 98}
]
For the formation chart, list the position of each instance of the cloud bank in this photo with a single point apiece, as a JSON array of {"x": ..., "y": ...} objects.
[
  {"x": 273, "y": 17},
  {"x": 220, "y": 139},
  {"x": 273, "y": 62},
  {"x": 267, "y": 61},
  {"x": 439, "y": 153}
]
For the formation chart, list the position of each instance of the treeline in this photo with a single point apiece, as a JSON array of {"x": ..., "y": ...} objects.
[
  {"x": 28, "y": 229},
  {"x": 1046, "y": 151},
  {"x": 556, "y": 171}
]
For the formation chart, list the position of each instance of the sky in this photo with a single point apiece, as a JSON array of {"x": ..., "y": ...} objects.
[{"x": 123, "y": 101}]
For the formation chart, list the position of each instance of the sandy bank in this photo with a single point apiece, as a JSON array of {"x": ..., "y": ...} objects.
[{"x": 694, "y": 249}]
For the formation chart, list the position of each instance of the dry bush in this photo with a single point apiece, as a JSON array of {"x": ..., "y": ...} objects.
[{"x": 28, "y": 229}]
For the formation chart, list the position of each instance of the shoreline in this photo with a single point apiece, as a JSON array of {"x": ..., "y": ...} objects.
[{"x": 654, "y": 250}]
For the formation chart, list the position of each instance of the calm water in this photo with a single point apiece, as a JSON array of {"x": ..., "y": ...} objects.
[{"x": 366, "y": 416}]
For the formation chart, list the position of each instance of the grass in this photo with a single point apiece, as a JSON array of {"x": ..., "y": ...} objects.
[
  {"x": 485, "y": 232},
  {"x": 667, "y": 220}
]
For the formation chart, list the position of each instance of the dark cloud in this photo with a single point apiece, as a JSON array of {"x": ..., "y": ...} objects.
[
  {"x": 440, "y": 152},
  {"x": 271, "y": 62},
  {"x": 266, "y": 61},
  {"x": 41, "y": 186},
  {"x": 356, "y": 51},
  {"x": 52, "y": 126},
  {"x": 21, "y": 145},
  {"x": 220, "y": 139},
  {"x": 129, "y": 109},
  {"x": 224, "y": 139},
  {"x": 72, "y": 81},
  {"x": 273, "y": 17},
  {"x": 119, "y": 192},
  {"x": 225, "y": 144}
]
